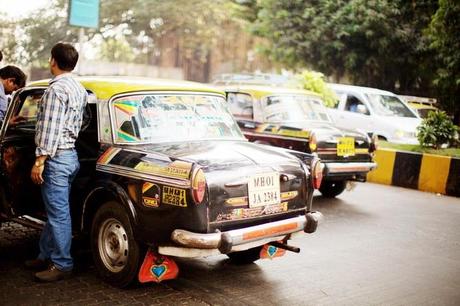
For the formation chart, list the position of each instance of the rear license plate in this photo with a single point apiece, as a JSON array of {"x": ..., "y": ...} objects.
[
  {"x": 264, "y": 189},
  {"x": 345, "y": 146}
]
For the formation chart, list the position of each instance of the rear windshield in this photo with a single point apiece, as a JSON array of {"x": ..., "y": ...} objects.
[
  {"x": 294, "y": 108},
  {"x": 172, "y": 117}
]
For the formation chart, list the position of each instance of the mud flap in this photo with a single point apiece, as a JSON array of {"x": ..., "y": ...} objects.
[
  {"x": 270, "y": 252},
  {"x": 157, "y": 268}
]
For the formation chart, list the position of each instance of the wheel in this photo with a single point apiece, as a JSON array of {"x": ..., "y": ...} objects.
[
  {"x": 245, "y": 257},
  {"x": 331, "y": 189},
  {"x": 117, "y": 256}
]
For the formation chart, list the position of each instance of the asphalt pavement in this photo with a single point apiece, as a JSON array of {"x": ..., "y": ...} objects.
[{"x": 378, "y": 245}]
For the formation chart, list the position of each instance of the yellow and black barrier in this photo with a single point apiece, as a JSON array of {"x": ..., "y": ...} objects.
[{"x": 427, "y": 172}]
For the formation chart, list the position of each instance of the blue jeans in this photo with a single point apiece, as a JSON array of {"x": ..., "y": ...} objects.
[{"x": 56, "y": 237}]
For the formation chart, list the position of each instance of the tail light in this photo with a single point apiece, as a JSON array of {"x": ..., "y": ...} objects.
[
  {"x": 312, "y": 143},
  {"x": 198, "y": 185},
  {"x": 373, "y": 146},
  {"x": 317, "y": 173}
]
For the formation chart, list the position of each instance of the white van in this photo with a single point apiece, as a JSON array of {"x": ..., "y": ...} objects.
[{"x": 375, "y": 111}]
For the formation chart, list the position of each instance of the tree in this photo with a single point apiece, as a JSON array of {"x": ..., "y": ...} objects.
[
  {"x": 445, "y": 33},
  {"x": 375, "y": 43},
  {"x": 116, "y": 50},
  {"x": 181, "y": 31},
  {"x": 42, "y": 30}
]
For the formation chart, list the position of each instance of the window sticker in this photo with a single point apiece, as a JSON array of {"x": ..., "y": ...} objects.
[{"x": 181, "y": 117}]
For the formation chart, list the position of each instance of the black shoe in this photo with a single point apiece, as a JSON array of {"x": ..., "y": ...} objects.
[
  {"x": 52, "y": 274},
  {"x": 36, "y": 264}
]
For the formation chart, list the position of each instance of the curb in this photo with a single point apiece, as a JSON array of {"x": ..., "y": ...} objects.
[{"x": 426, "y": 172}]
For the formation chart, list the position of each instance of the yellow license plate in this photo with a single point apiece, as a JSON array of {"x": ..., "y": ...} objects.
[{"x": 345, "y": 146}]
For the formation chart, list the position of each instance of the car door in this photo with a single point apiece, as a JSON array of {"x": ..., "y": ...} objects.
[
  {"x": 17, "y": 150},
  {"x": 355, "y": 114}
]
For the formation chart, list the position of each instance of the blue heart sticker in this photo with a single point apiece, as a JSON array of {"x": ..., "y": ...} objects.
[
  {"x": 158, "y": 271},
  {"x": 271, "y": 250}
]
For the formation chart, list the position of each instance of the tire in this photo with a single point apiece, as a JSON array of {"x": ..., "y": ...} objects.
[
  {"x": 245, "y": 257},
  {"x": 331, "y": 189},
  {"x": 116, "y": 254}
]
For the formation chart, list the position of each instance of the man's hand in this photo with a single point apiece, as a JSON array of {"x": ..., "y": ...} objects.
[
  {"x": 37, "y": 170},
  {"x": 36, "y": 174},
  {"x": 15, "y": 120}
]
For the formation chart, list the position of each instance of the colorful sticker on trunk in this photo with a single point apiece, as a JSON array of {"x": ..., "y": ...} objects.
[
  {"x": 174, "y": 196},
  {"x": 150, "y": 195}
]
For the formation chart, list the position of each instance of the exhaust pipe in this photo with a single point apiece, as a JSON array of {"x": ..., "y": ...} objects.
[{"x": 285, "y": 246}]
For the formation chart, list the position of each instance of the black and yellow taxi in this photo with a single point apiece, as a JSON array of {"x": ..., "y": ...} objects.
[
  {"x": 296, "y": 119},
  {"x": 165, "y": 172}
]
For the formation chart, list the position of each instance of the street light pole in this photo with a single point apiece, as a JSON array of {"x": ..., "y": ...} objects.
[{"x": 81, "y": 55}]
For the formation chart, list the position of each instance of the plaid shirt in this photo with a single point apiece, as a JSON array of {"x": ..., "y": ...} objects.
[
  {"x": 60, "y": 115},
  {"x": 3, "y": 102}
]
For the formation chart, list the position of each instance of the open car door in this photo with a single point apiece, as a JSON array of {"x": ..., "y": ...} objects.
[{"x": 17, "y": 150}]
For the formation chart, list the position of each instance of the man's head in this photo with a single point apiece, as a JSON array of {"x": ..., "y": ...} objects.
[
  {"x": 12, "y": 78},
  {"x": 64, "y": 58}
]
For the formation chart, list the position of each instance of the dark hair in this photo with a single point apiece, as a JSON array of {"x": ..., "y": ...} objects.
[
  {"x": 1, "y": 56},
  {"x": 65, "y": 55},
  {"x": 14, "y": 72}
]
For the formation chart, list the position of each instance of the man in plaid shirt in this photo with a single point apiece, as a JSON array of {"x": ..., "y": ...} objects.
[{"x": 59, "y": 120}]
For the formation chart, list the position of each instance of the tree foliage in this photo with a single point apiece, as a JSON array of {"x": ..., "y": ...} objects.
[
  {"x": 410, "y": 47},
  {"x": 375, "y": 43},
  {"x": 445, "y": 34}
]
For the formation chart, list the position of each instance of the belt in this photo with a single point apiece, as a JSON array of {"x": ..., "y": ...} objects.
[{"x": 64, "y": 149}]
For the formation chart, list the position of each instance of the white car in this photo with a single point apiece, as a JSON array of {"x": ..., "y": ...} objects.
[{"x": 375, "y": 111}]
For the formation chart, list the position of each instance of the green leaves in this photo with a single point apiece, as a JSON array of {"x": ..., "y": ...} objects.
[
  {"x": 436, "y": 130},
  {"x": 314, "y": 81}
]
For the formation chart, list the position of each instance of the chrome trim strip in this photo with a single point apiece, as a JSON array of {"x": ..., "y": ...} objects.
[
  {"x": 349, "y": 167},
  {"x": 256, "y": 217},
  {"x": 131, "y": 173}
]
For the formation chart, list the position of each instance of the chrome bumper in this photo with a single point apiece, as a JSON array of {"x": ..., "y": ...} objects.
[
  {"x": 350, "y": 167},
  {"x": 226, "y": 242}
]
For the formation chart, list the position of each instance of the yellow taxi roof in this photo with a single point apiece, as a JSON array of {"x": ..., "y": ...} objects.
[
  {"x": 421, "y": 106},
  {"x": 106, "y": 87},
  {"x": 260, "y": 91}
]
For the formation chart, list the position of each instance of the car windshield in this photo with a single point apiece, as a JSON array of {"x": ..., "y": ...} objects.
[
  {"x": 294, "y": 108},
  {"x": 389, "y": 106},
  {"x": 172, "y": 117}
]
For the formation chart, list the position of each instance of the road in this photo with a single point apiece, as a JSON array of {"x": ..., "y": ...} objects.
[{"x": 378, "y": 245}]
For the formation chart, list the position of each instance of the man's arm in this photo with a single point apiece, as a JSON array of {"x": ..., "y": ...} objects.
[{"x": 50, "y": 121}]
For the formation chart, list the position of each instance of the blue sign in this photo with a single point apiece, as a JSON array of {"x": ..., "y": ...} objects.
[{"x": 84, "y": 13}]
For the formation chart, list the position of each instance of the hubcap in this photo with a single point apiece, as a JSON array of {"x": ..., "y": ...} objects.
[{"x": 113, "y": 245}]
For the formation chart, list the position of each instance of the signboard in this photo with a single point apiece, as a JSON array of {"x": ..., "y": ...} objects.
[{"x": 84, "y": 13}]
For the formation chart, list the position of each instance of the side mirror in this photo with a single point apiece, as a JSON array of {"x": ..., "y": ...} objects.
[
  {"x": 246, "y": 124},
  {"x": 362, "y": 109}
]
